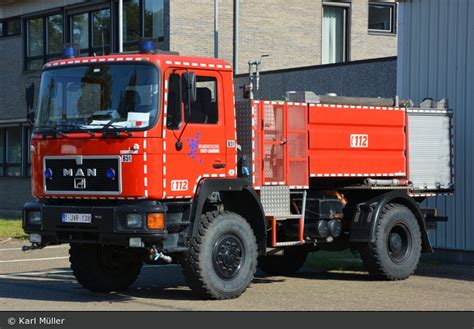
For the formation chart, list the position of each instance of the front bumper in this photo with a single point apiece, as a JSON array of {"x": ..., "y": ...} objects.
[{"x": 108, "y": 224}]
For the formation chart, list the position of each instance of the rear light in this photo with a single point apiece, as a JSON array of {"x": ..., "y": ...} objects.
[{"x": 155, "y": 221}]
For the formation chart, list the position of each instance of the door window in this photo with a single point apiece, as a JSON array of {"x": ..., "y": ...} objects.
[{"x": 204, "y": 109}]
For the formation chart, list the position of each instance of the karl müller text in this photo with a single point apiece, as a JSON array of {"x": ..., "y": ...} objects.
[{"x": 40, "y": 320}]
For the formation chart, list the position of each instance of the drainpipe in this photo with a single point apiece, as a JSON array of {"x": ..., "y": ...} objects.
[
  {"x": 236, "y": 36},
  {"x": 216, "y": 28},
  {"x": 120, "y": 25}
]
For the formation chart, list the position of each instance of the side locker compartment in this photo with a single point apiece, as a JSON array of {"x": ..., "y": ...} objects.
[
  {"x": 273, "y": 139},
  {"x": 297, "y": 146},
  {"x": 431, "y": 160}
]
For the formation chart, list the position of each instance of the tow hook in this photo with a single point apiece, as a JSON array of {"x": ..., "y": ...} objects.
[
  {"x": 156, "y": 256},
  {"x": 33, "y": 246}
]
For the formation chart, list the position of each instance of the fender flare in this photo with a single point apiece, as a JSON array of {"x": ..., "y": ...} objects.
[
  {"x": 367, "y": 214},
  {"x": 237, "y": 197}
]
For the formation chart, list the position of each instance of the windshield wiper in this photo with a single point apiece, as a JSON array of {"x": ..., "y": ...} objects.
[
  {"x": 77, "y": 128},
  {"x": 116, "y": 130},
  {"x": 110, "y": 124},
  {"x": 52, "y": 131},
  {"x": 58, "y": 130}
]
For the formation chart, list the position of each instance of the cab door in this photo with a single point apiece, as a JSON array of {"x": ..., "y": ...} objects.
[{"x": 194, "y": 136}]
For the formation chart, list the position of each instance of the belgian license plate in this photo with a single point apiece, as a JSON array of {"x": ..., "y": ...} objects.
[{"x": 76, "y": 218}]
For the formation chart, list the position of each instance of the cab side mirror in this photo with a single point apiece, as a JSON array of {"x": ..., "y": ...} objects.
[
  {"x": 30, "y": 116},
  {"x": 189, "y": 87},
  {"x": 30, "y": 99}
]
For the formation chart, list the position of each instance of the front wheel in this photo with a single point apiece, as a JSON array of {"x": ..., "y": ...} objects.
[
  {"x": 222, "y": 259},
  {"x": 104, "y": 268},
  {"x": 396, "y": 251}
]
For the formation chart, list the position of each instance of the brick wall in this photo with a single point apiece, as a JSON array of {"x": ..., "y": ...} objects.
[
  {"x": 191, "y": 29},
  {"x": 366, "y": 44},
  {"x": 289, "y": 31}
]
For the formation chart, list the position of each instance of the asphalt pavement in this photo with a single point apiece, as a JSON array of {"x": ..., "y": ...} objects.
[{"x": 42, "y": 280}]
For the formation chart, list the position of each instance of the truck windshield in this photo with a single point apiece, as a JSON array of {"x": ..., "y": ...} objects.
[{"x": 98, "y": 96}]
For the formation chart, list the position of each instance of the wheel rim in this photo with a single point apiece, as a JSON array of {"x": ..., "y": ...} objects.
[
  {"x": 399, "y": 242},
  {"x": 228, "y": 256}
]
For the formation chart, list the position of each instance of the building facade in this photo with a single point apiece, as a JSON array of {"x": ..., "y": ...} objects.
[
  {"x": 436, "y": 59},
  {"x": 293, "y": 33}
]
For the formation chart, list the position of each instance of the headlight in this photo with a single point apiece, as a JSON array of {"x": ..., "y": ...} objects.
[
  {"x": 34, "y": 217},
  {"x": 134, "y": 221}
]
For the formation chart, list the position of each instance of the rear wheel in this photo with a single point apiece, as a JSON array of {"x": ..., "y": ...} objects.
[
  {"x": 396, "y": 251},
  {"x": 104, "y": 268},
  {"x": 222, "y": 259},
  {"x": 290, "y": 262}
]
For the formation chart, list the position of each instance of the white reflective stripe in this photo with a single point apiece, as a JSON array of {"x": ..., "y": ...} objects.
[
  {"x": 51, "y": 247},
  {"x": 32, "y": 259}
]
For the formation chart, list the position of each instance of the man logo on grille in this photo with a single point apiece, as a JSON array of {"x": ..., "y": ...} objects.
[{"x": 79, "y": 183}]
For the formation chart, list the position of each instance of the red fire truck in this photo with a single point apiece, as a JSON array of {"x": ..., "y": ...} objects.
[{"x": 148, "y": 158}]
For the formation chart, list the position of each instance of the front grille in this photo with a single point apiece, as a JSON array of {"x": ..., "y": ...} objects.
[{"x": 87, "y": 177}]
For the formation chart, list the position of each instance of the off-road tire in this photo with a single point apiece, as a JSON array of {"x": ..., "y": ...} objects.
[
  {"x": 289, "y": 263},
  {"x": 104, "y": 268},
  {"x": 377, "y": 257},
  {"x": 203, "y": 265}
]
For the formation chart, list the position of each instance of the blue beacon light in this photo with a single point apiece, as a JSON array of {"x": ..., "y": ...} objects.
[
  {"x": 70, "y": 52},
  {"x": 48, "y": 173},
  {"x": 110, "y": 173},
  {"x": 147, "y": 46}
]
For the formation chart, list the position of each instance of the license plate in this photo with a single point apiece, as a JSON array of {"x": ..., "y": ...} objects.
[{"x": 76, "y": 218}]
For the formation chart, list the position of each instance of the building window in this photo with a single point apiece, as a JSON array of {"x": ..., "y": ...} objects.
[
  {"x": 80, "y": 31},
  {"x": 9, "y": 27},
  {"x": 131, "y": 24},
  {"x": 91, "y": 31},
  {"x": 10, "y": 151},
  {"x": 54, "y": 34},
  {"x": 101, "y": 29},
  {"x": 382, "y": 17},
  {"x": 142, "y": 18},
  {"x": 334, "y": 34},
  {"x": 154, "y": 17},
  {"x": 44, "y": 40}
]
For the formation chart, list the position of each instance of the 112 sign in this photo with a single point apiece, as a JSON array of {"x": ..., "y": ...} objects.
[
  {"x": 359, "y": 140},
  {"x": 179, "y": 185}
]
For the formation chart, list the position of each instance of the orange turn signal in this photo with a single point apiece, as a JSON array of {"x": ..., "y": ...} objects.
[{"x": 155, "y": 221}]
